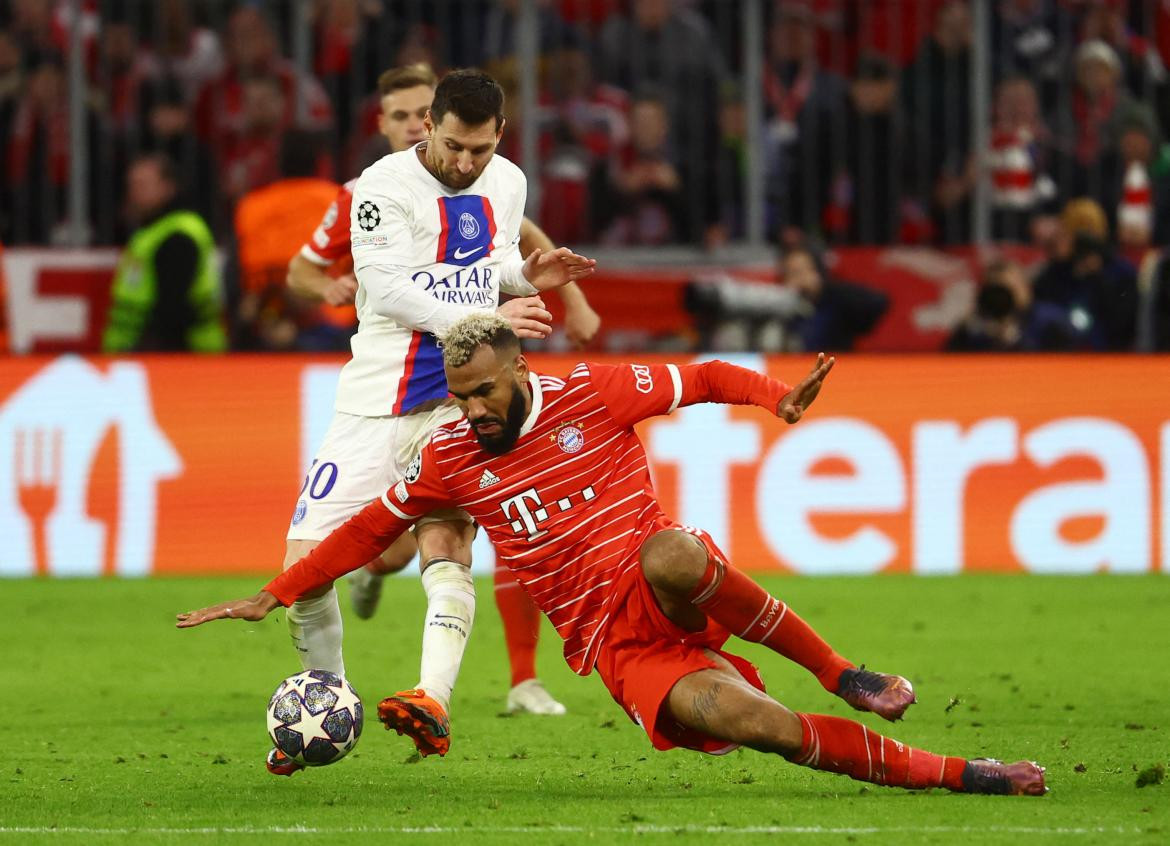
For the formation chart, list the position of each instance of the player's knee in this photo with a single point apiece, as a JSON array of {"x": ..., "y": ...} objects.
[
  {"x": 673, "y": 560},
  {"x": 772, "y": 729},
  {"x": 397, "y": 555},
  {"x": 448, "y": 539}
]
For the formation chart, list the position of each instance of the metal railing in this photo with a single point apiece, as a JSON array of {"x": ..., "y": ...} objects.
[{"x": 765, "y": 126}]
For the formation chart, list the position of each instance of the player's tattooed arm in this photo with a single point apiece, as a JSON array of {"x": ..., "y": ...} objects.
[
  {"x": 793, "y": 404},
  {"x": 705, "y": 704},
  {"x": 253, "y": 608}
]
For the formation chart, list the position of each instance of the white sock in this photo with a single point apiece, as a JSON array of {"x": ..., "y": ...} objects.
[
  {"x": 315, "y": 626},
  {"x": 450, "y": 613}
]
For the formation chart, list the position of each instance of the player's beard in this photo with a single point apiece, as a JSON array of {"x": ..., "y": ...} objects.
[{"x": 509, "y": 429}]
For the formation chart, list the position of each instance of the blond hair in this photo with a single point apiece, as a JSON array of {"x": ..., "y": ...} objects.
[
  {"x": 468, "y": 334},
  {"x": 407, "y": 76}
]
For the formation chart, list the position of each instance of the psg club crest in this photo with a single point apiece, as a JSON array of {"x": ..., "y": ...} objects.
[
  {"x": 569, "y": 437},
  {"x": 468, "y": 226},
  {"x": 368, "y": 216}
]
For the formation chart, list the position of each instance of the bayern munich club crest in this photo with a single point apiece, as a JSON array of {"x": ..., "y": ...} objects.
[{"x": 569, "y": 437}]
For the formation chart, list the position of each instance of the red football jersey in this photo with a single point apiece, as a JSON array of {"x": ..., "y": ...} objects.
[
  {"x": 330, "y": 240},
  {"x": 567, "y": 508}
]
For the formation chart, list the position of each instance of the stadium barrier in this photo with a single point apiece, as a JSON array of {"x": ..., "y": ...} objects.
[
  {"x": 57, "y": 300},
  {"x": 929, "y": 464}
]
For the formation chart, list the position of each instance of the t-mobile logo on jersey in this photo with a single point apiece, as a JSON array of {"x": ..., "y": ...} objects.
[{"x": 526, "y": 520}]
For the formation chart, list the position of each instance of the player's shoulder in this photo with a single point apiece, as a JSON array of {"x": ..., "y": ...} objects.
[
  {"x": 449, "y": 434},
  {"x": 582, "y": 372},
  {"x": 507, "y": 171},
  {"x": 384, "y": 175}
]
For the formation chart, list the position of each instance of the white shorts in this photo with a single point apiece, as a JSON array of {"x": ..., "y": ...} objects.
[{"x": 360, "y": 458}]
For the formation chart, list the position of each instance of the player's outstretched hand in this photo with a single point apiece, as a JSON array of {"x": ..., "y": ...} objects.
[
  {"x": 253, "y": 608},
  {"x": 341, "y": 291},
  {"x": 553, "y": 269},
  {"x": 528, "y": 316},
  {"x": 792, "y": 406}
]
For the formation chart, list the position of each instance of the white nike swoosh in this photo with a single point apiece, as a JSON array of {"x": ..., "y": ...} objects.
[{"x": 460, "y": 255}]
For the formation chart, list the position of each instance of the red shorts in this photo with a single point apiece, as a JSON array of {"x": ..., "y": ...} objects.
[{"x": 644, "y": 655}]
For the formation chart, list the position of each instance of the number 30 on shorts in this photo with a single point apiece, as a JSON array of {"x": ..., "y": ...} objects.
[{"x": 320, "y": 480}]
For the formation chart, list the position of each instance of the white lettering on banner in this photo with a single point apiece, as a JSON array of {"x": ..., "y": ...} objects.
[
  {"x": 944, "y": 458},
  {"x": 50, "y": 433},
  {"x": 34, "y": 315},
  {"x": 787, "y": 494},
  {"x": 1122, "y": 496},
  {"x": 703, "y": 442}
]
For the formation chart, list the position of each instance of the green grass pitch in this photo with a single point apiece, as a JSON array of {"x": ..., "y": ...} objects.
[{"x": 119, "y": 728}]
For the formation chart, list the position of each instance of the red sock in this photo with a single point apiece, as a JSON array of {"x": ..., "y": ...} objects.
[
  {"x": 521, "y": 620},
  {"x": 750, "y": 612},
  {"x": 843, "y": 746}
]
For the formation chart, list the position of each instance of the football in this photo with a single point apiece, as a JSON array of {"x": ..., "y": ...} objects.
[{"x": 315, "y": 717}]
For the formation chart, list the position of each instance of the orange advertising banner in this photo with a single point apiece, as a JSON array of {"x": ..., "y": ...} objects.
[{"x": 927, "y": 464}]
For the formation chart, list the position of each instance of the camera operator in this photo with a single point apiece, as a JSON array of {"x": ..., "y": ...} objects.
[{"x": 1096, "y": 289}]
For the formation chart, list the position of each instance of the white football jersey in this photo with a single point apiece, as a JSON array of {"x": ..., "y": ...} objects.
[{"x": 456, "y": 246}]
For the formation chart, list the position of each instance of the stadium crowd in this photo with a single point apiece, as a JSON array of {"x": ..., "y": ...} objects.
[{"x": 642, "y": 127}]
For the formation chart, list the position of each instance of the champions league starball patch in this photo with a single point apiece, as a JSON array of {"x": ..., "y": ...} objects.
[
  {"x": 569, "y": 437},
  {"x": 414, "y": 469},
  {"x": 368, "y": 216}
]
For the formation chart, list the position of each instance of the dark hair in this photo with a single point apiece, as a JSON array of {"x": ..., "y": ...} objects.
[
  {"x": 471, "y": 95},
  {"x": 407, "y": 76},
  {"x": 994, "y": 302}
]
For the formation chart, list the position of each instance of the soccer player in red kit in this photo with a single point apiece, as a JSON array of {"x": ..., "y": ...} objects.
[{"x": 555, "y": 474}]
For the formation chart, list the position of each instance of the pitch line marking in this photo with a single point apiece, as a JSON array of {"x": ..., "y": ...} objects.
[{"x": 569, "y": 829}]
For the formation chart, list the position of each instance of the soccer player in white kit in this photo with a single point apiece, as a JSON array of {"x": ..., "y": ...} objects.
[
  {"x": 318, "y": 272},
  {"x": 435, "y": 233}
]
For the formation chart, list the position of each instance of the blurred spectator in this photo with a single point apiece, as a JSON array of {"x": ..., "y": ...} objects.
[
  {"x": 1141, "y": 186},
  {"x": 271, "y": 224},
  {"x": 582, "y": 124},
  {"x": 1007, "y": 317},
  {"x": 730, "y": 168},
  {"x": 192, "y": 54},
  {"x": 840, "y": 312},
  {"x": 1029, "y": 40},
  {"x": 805, "y": 111},
  {"x": 11, "y": 85},
  {"x": 251, "y": 157},
  {"x": 1142, "y": 71},
  {"x": 168, "y": 126},
  {"x": 1096, "y": 290},
  {"x": 499, "y": 31},
  {"x": 221, "y": 111},
  {"x": 640, "y": 198},
  {"x": 936, "y": 94},
  {"x": 126, "y": 67},
  {"x": 166, "y": 290},
  {"x": 346, "y": 45},
  {"x": 1020, "y": 161},
  {"x": 1091, "y": 125},
  {"x": 33, "y": 27},
  {"x": 665, "y": 44},
  {"x": 866, "y": 184},
  {"x": 38, "y": 164}
]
